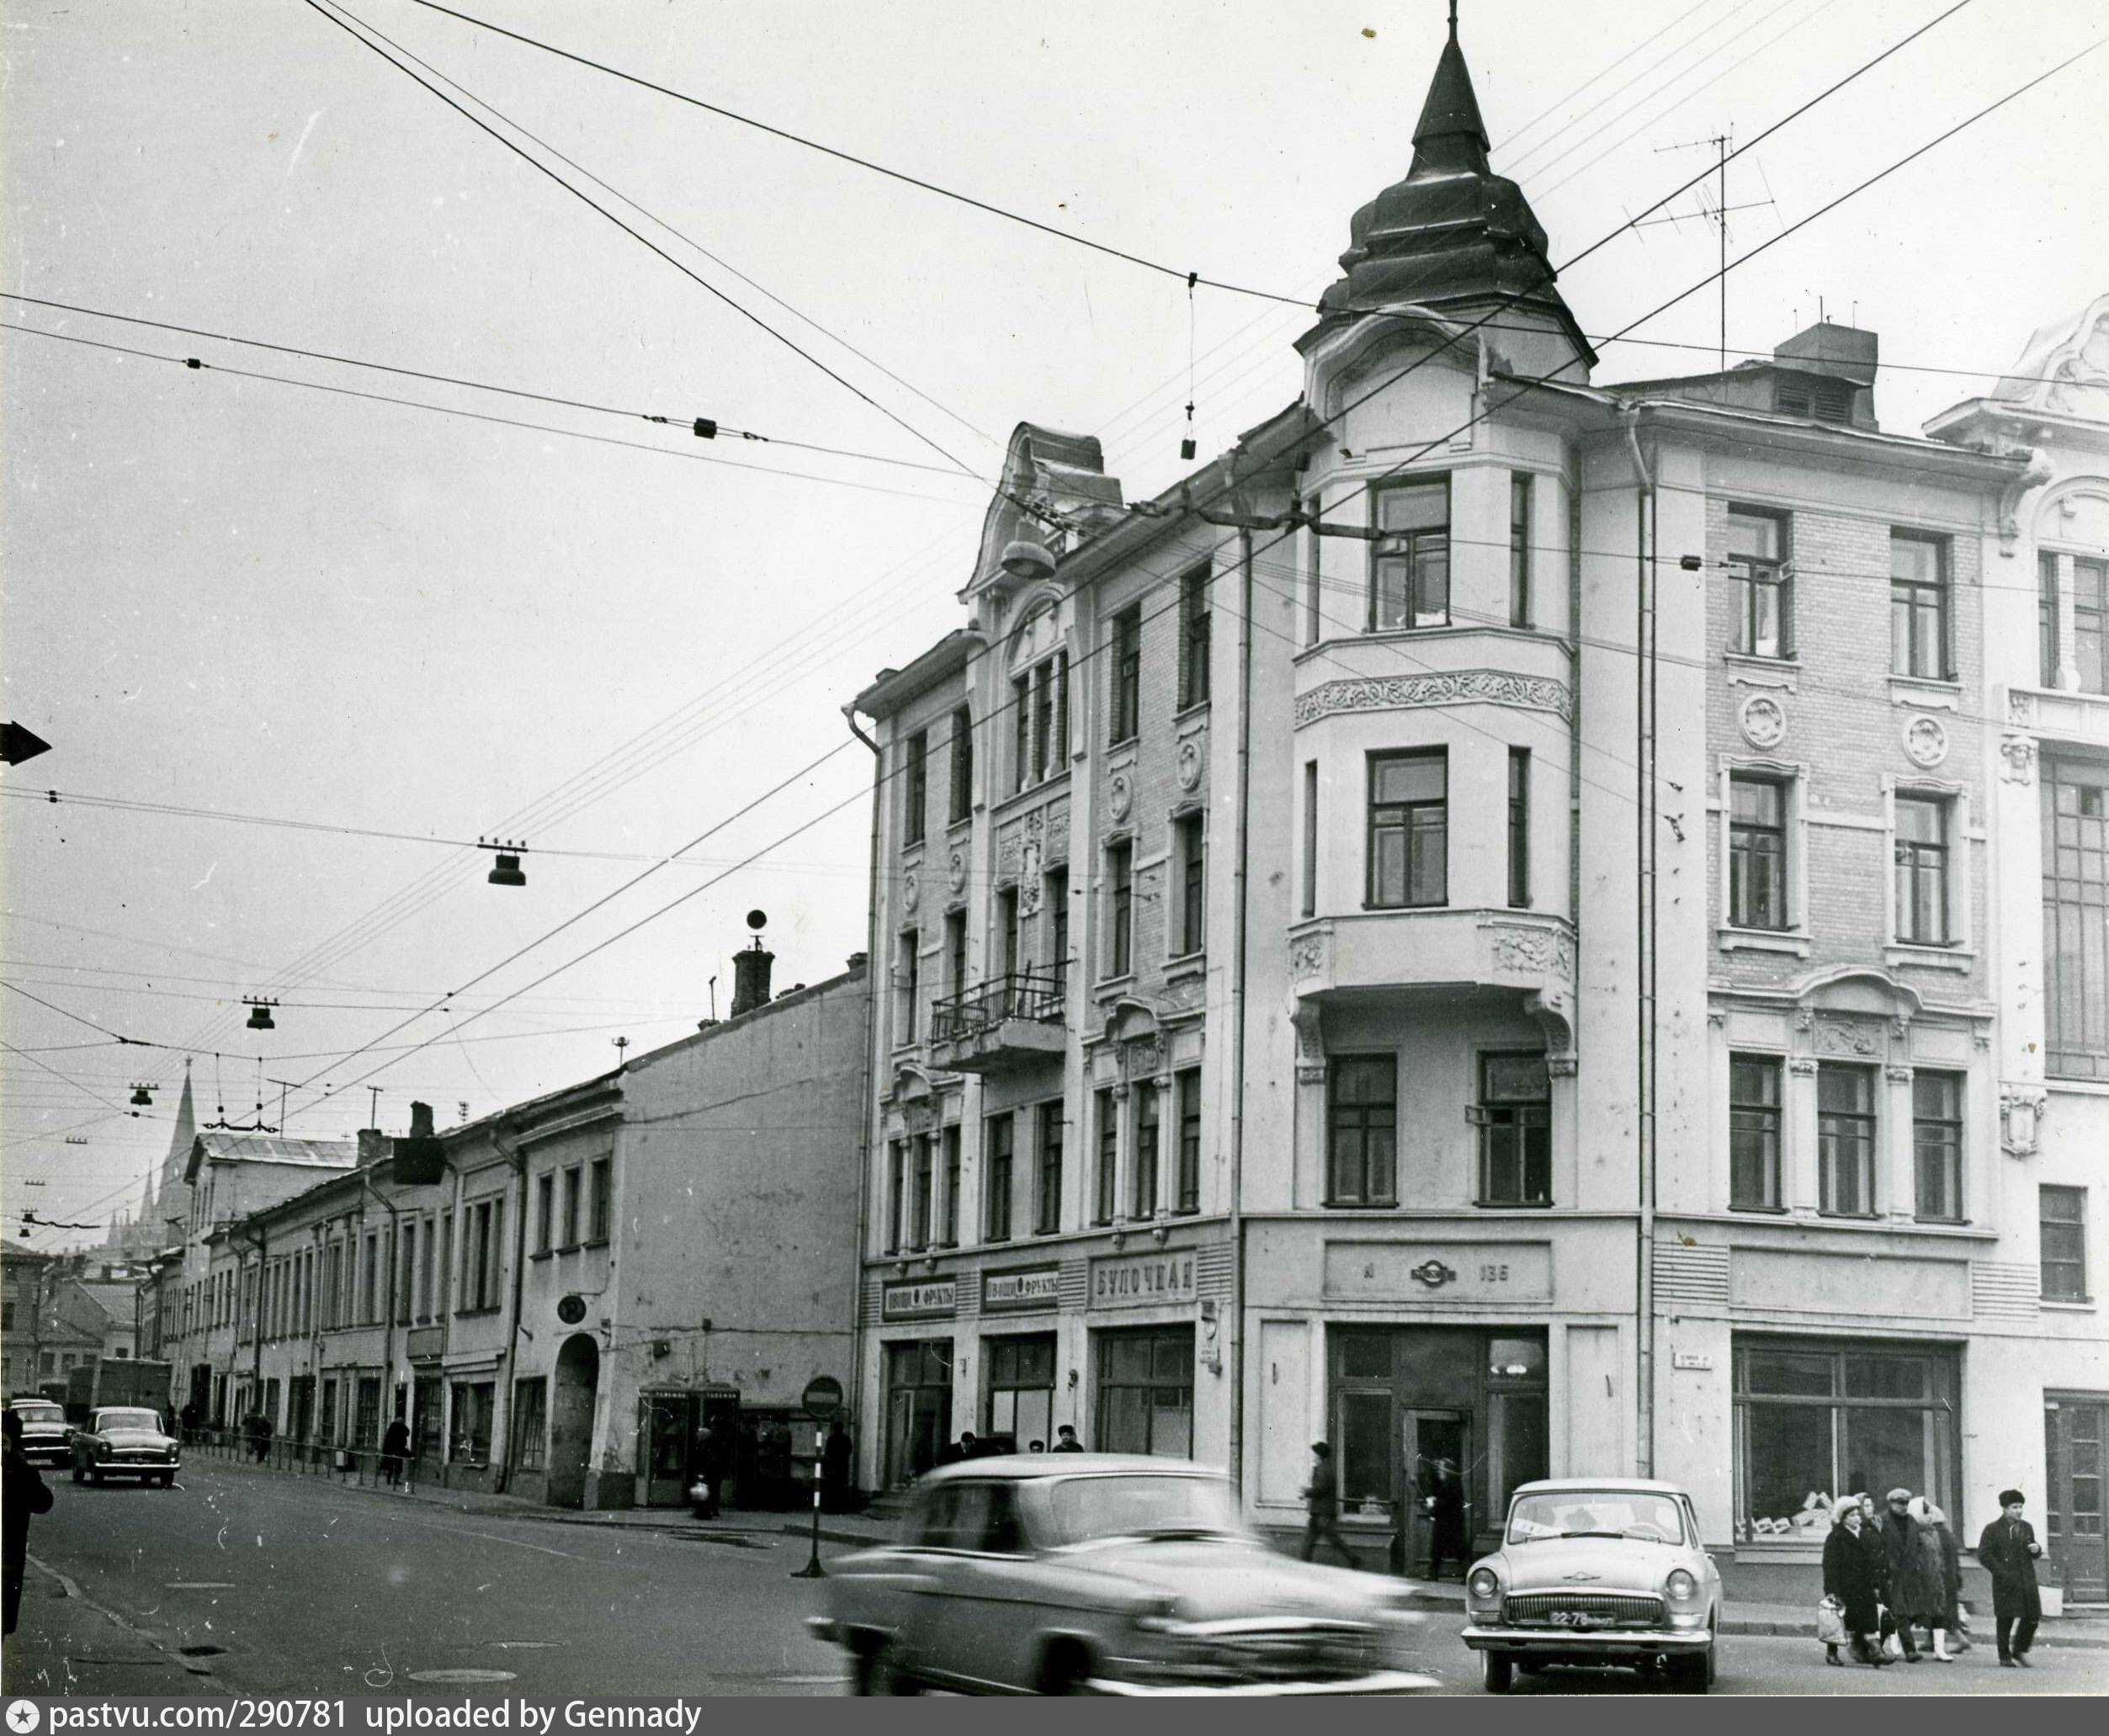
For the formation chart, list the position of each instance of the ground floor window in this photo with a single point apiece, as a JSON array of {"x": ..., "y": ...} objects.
[
  {"x": 474, "y": 1403},
  {"x": 530, "y": 1430},
  {"x": 369, "y": 1434},
  {"x": 1021, "y": 1387},
  {"x": 1435, "y": 1417},
  {"x": 918, "y": 1407},
  {"x": 299, "y": 1407},
  {"x": 427, "y": 1420},
  {"x": 1145, "y": 1391},
  {"x": 1816, "y": 1421},
  {"x": 328, "y": 1435}
]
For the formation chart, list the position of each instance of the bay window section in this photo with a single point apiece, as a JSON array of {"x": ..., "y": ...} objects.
[
  {"x": 1409, "y": 558},
  {"x": 1408, "y": 829}
]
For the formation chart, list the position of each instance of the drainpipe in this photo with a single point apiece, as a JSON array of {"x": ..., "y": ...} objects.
[
  {"x": 1237, "y": 939},
  {"x": 502, "y": 1444},
  {"x": 388, "y": 1317},
  {"x": 865, "y": 1105},
  {"x": 1645, "y": 516}
]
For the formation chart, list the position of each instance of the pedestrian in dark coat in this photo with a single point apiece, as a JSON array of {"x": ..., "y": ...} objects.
[
  {"x": 22, "y": 1492},
  {"x": 1321, "y": 1507},
  {"x": 835, "y": 1457},
  {"x": 2008, "y": 1551},
  {"x": 1446, "y": 1513},
  {"x": 1941, "y": 1564},
  {"x": 1852, "y": 1577},
  {"x": 1065, "y": 1439},
  {"x": 395, "y": 1448},
  {"x": 1913, "y": 1588}
]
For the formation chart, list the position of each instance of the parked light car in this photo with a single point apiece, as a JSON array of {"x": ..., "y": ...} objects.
[
  {"x": 1597, "y": 1570},
  {"x": 1103, "y": 1574},
  {"x": 125, "y": 1440},
  {"x": 45, "y": 1438}
]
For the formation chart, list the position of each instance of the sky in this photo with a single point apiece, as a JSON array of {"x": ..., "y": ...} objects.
[{"x": 232, "y": 596}]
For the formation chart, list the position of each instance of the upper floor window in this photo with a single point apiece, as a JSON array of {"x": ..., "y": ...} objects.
[
  {"x": 1120, "y": 909},
  {"x": 919, "y": 1193},
  {"x": 995, "y": 1179},
  {"x": 1519, "y": 549},
  {"x": 1919, "y": 606},
  {"x": 572, "y": 1179},
  {"x": 2075, "y": 916},
  {"x": 1519, "y": 827},
  {"x": 2047, "y": 653},
  {"x": 2062, "y": 1229},
  {"x": 601, "y": 1198},
  {"x": 914, "y": 819},
  {"x": 1757, "y": 852},
  {"x": 1845, "y": 1140},
  {"x": 1194, "y": 626},
  {"x": 1149, "y": 1114},
  {"x": 1190, "y": 850},
  {"x": 896, "y": 1192},
  {"x": 1409, "y": 559},
  {"x": 1105, "y": 1181},
  {"x": 1922, "y": 871},
  {"x": 1047, "y": 1216},
  {"x": 1936, "y": 1144},
  {"x": 1187, "y": 1183},
  {"x": 951, "y": 1186},
  {"x": 1362, "y": 1131},
  {"x": 2090, "y": 624},
  {"x": 962, "y": 795},
  {"x": 1056, "y": 914},
  {"x": 1039, "y": 706},
  {"x": 1311, "y": 838},
  {"x": 1754, "y": 1117},
  {"x": 1516, "y": 1131},
  {"x": 908, "y": 975},
  {"x": 955, "y": 946},
  {"x": 1124, "y": 714},
  {"x": 1408, "y": 829},
  {"x": 1761, "y": 582},
  {"x": 544, "y": 1211}
]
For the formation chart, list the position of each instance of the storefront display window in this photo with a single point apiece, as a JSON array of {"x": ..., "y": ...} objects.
[
  {"x": 918, "y": 1407},
  {"x": 1815, "y": 1422},
  {"x": 1145, "y": 1391},
  {"x": 1021, "y": 1374}
]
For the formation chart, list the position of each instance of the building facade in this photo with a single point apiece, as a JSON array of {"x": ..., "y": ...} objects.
[{"x": 1570, "y": 892}]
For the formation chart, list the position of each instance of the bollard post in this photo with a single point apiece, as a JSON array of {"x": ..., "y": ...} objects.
[{"x": 813, "y": 1569}]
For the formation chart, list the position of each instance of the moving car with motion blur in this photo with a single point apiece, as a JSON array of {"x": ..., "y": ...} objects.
[
  {"x": 45, "y": 1438},
  {"x": 125, "y": 1440},
  {"x": 1092, "y": 1573},
  {"x": 1597, "y": 1570}
]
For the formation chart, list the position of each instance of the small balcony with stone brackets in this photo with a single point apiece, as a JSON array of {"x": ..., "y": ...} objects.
[{"x": 1011, "y": 1020}]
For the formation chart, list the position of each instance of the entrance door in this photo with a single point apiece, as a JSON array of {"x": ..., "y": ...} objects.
[
  {"x": 1437, "y": 1449},
  {"x": 2073, "y": 1538},
  {"x": 669, "y": 1428},
  {"x": 578, "y": 1362},
  {"x": 918, "y": 1407}
]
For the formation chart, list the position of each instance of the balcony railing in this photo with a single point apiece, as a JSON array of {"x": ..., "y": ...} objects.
[{"x": 1034, "y": 995}]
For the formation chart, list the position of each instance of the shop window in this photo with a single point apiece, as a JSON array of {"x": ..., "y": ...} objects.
[
  {"x": 1021, "y": 1384},
  {"x": 918, "y": 1407},
  {"x": 1516, "y": 1131},
  {"x": 1409, "y": 558},
  {"x": 1193, "y": 638},
  {"x": 1408, "y": 829},
  {"x": 1762, "y": 584},
  {"x": 1146, "y": 1392},
  {"x": 1754, "y": 1123},
  {"x": 2062, "y": 1232},
  {"x": 2076, "y": 919},
  {"x": 1822, "y": 1421},
  {"x": 1936, "y": 1145},
  {"x": 1845, "y": 1140},
  {"x": 1363, "y": 1131},
  {"x": 1919, "y": 606},
  {"x": 1757, "y": 852},
  {"x": 530, "y": 1431},
  {"x": 473, "y": 1403}
]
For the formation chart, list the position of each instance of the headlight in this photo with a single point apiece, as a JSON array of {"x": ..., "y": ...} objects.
[
  {"x": 1483, "y": 1585},
  {"x": 1682, "y": 1587}
]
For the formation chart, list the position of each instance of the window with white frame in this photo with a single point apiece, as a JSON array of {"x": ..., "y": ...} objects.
[
  {"x": 1925, "y": 876},
  {"x": 1845, "y": 1140},
  {"x": 1761, "y": 583},
  {"x": 1409, "y": 558},
  {"x": 1757, "y": 877}
]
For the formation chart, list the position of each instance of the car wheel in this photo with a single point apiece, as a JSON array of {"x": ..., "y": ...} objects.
[
  {"x": 168, "y": 1479},
  {"x": 1694, "y": 1671},
  {"x": 875, "y": 1671},
  {"x": 1531, "y": 1666},
  {"x": 1496, "y": 1668},
  {"x": 1066, "y": 1668}
]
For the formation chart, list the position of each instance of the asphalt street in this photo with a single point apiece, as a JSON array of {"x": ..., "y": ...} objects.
[{"x": 241, "y": 1581}]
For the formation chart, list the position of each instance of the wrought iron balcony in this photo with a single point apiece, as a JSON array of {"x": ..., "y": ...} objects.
[{"x": 1010, "y": 1019}]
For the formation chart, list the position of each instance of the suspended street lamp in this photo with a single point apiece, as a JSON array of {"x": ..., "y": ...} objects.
[
  {"x": 506, "y": 872},
  {"x": 259, "y": 1012},
  {"x": 142, "y": 1097}
]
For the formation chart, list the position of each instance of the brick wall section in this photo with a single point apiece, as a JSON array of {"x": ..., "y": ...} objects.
[{"x": 1845, "y": 727}]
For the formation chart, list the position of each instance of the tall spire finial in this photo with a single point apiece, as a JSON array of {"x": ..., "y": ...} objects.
[{"x": 1453, "y": 20}]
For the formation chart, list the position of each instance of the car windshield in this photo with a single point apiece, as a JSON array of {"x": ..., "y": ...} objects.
[
  {"x": 40, "y": 1413},
  {"x": 1090, "y": 1509},
  {"x": 127, "y": 1419},
  {"x": 1595, "y": 1513}
]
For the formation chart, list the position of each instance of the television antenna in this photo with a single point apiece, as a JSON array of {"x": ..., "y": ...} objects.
[{"x": 1715, "y": 211}]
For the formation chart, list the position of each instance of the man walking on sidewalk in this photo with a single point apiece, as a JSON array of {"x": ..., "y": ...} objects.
[
  {"x": 2007, "y": 1551},
  {"x": 1321, "y": 1507}
]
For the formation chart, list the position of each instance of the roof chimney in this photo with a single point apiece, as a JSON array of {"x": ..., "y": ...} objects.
[
  {"x": 420, "y": 1121},
  {"x": 750, "y": 970},
  {"x": 374, "y": 1145}
]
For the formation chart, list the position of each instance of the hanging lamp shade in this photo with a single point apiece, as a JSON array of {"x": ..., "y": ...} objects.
[
  {"x": 1028, "y": 559},
  {"x": 140, "y": 1098},
  {"x": 260, "y": 1018},
  {"x": 506, "y": 872}
]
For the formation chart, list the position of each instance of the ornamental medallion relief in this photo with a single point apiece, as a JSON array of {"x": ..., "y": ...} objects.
[
  {"x": 1763, "y": 721},
  {"x": 910, "y": 890},
  {"x": 1190, "y": 762},
  {"x": 1925, "y": 741},
  {"x": 1846, "y": 1036},
  {"x": 1306, "y": 955},
  {"x": 955, "y": 871},
  {"x": 1120, "y": 794}
]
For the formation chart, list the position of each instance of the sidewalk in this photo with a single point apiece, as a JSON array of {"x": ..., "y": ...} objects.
[{"x": 67, "y": 1645}]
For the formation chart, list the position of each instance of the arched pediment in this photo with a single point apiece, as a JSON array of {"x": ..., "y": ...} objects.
[
  {"x": 1857, "y": 989},
  {"x": 2075, "y": 513},
  {"x": 1131, "y": 1019}
]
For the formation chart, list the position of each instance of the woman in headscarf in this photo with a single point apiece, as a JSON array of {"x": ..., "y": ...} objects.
[
  {"x": 1852, "y": 1579},
  {"x": 1934, "y": 1530}
]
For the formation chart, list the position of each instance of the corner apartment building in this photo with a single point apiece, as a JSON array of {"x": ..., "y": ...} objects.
[
  {"x": 2045, "y": 699},
  {"x": 1539, "y": 1006}
]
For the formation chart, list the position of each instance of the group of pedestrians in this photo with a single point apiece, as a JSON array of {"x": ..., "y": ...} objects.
[{"x": 1891, "y": 1573}]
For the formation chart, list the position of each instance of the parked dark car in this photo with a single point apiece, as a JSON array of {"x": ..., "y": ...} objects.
[
  {"x": 45, "y": 1438},
  {"x": 125, "y": 1441}
]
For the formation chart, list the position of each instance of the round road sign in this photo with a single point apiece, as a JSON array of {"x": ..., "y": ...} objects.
[
  {"x": 571, "y": 1310},
  {"x": 823, "y": 1397}
]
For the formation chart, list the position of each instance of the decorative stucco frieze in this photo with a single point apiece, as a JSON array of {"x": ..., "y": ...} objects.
[{"x": 1405, "y": 692}]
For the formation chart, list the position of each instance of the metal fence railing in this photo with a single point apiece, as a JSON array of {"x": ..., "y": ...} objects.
[
  {"x": 367, "y": 1467},
  {"x": 1035, "y": 994}
]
